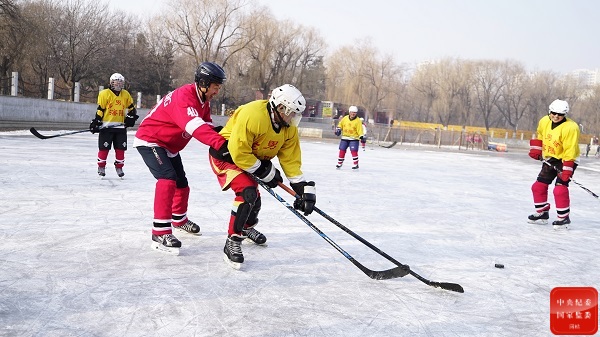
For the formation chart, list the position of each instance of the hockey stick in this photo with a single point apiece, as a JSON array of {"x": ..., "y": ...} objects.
[
  {"x": 388, "y": 146},
  {"x": 399, "y": 271},
  {"x": 40, "y": 136},
  {"x": 571, "y": 179},
  {"x": 444, "y": 285}
]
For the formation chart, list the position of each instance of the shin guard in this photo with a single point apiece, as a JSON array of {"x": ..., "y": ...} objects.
[
  {"x": 180, "y": 206},
  {"x": 563, "y": 202},
  {"x": 242, "y": 207},
  {"x": 102, "y": 155},
  {"x": 163, "y": 201},
  {"x": 540, "y": 196}
]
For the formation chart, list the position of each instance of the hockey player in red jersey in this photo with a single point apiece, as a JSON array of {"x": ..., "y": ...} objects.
[
  {"x": 177, "y": 118},
  {"x": 258, "y": 132},
  {"x": 558, "y": 143}
]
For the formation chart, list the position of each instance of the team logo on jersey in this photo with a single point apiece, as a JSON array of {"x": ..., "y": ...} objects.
[
  {"x": 192, "y": 112},
  {"x": 272, "y": 144},
  {"x": 167, "y": 99},
  {"x": 185, "y": 135}
]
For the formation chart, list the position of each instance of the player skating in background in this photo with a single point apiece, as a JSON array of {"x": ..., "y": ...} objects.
[
  {"x": 351, "y": 129},
  {"x": 257, "y": 132},
  {"x": 558, "y": 143},
  {"x": 111, "y": 123},
  {"x": 363, "y": 138},
  {"x": 177, "y": 118}
]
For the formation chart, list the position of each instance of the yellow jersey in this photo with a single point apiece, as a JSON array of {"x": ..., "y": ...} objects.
[
  {"x": 252, "y": 137},
  {"x": 111, "y": 107},
  {"x": 562, "y": 142}
]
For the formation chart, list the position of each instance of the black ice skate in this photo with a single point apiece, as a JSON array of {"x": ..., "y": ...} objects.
[
  {"x": 355, "y": 167},
  {"x": 539, "y": 218},
  {"x": 561, "y": 223},
  {"x": 252, "y": 235},
  {"x": 233, "y": 251},
  {"x": 167, "y": 243},
  {"x": 101, "y": 171},
  {"x": 120, "y": 172},
  {"x": 189, "y": 227},
  {"x": 338, "y": 166}
]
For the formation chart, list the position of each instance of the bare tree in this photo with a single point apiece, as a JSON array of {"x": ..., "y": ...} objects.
[
  {"x": 14, "y": 35},
  {"x": 488, "y": 84},
  {"x": 207, "y": 30},
  {"x": 78, "y": 40},
  {"x": 512, "y": 103}
]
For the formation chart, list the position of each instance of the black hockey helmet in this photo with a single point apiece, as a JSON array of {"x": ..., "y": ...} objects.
[{"x": 209, "y": 72}]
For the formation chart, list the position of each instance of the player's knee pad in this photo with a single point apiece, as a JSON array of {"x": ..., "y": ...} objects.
[
  {"x": 249, "y": 194},
  {"x": 539, "y": 187},
  {"x": 253, "y": 217}
]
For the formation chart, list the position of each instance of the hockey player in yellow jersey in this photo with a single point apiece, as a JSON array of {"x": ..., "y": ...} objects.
[
  {"x": 111, "y": 123},
  {"x": 257, "y": 132},
  {"x": 558, "y": 144},
  {"x": 351, "y": 129}
]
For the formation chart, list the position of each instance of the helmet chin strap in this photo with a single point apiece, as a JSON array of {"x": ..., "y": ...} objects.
[
  {"x": 276, "y": 119},
  {"x": 202, "y": 93}
]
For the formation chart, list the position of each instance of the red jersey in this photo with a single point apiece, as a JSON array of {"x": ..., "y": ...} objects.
[{"x": 175, "y": 119}]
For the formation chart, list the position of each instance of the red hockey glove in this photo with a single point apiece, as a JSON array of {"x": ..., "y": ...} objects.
[
  {"x": 567, "y": 171},
  {"x": 535, "y": 149}
]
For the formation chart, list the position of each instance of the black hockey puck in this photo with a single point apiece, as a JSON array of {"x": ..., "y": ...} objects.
[{"x": 499, "y": 265}]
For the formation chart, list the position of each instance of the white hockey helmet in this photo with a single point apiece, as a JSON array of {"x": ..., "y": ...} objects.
[
  {"x": 559, "y": 107},
  {"x": 291, "y": 99},
  {"x": 117, "y": 82},
  {"x": 353, "y": 108}
]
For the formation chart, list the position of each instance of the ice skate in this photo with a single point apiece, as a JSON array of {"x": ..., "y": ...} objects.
[
  {"x": 538, "y": 218},
  {"x": 167, "y": 243},
  {"x": 101, "y": 171},
  {"x": 120, "y": 172},
  {"x": 355, "y": 167},
  {"x": 338, "y": 166},
  {"x": 254, "y": 236},
  {"x": 189, "y": 227},
  {"x": 233, "y": 251},
  {"x": 561, "y": 223}
]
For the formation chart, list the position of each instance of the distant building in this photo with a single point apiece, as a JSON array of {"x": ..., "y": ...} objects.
[{"x": 586, "y": 76}]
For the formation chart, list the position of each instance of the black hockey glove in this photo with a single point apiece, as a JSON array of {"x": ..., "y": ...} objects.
[
  {"x": 95, "y": 125},
  {"x": 218, "y": 128},
  {"x": 130, "y": 119},
  {"x": 222, "y": 153},
  {"x": 268, "y": 173},
  {"x": 308, "y": 196}
]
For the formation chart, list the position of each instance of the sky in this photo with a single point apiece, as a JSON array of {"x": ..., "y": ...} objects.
[
  {"x": 544, "y": 35},
  {"x": 75, "y": 258}
]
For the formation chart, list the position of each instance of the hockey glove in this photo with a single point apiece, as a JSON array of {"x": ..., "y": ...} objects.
[
  {"x": 130, "y": 119},
  {"x": 222, "y": 153},
  {"x": 308, "y": 196},
  {"x": 218, "y": 128},
  {"x": 95, "y": 125},
  {"x": 567, "y": 171},
  {"x": 535, "y": 149},
  {"x": 268, "y": 173},
  {"x": 338, "y": 131}
]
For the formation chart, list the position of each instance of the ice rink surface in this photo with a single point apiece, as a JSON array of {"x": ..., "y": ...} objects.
[{"x": 75, "y": 257}]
